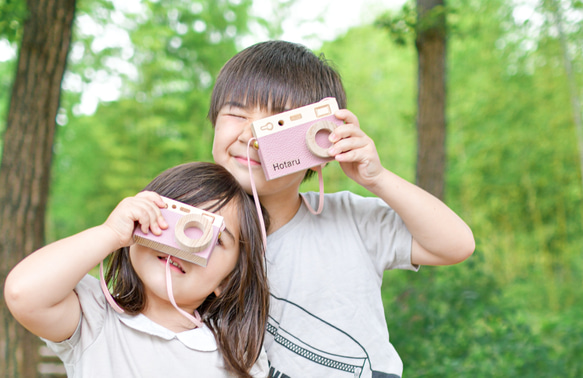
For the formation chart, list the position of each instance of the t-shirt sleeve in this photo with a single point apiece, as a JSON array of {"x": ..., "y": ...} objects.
[
  {"x": 261, "y": 367},
  {"x": 382, "y": 231},
  {"x": 93, "y": 307}
]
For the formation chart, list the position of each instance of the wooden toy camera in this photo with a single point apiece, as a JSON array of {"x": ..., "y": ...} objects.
[
  {"x": 191, "y": 234},
  {"x": 297, "y": 139}
]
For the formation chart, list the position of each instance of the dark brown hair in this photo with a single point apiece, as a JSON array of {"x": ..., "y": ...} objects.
[
  {"x": 237, "y": 316},
  {"x": 273, "y": 76}
]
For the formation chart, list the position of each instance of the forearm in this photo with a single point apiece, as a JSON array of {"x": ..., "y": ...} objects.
[
  {"x": 440, "y": 236},
  {"x": 39, "y": 290}
]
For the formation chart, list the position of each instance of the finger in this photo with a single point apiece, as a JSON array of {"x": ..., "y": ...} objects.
[
  {"x": 159, "y": 202},
  {"x": 346, "y": 131},
  {"x": 347, "y": 116},
  {"x": 148, "y": 214},
  {"x": 348, "y": 144}
]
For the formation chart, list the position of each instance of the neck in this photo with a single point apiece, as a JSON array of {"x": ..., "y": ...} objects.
[
  {"x": 168, "y": 317},
  {"x": 281, "y": 210}
]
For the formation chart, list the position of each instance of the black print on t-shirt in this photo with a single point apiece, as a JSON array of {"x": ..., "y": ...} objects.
[{"x": 318, "y": 342}]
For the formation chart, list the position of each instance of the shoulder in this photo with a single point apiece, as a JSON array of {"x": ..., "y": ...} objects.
[
  {"x": 89, "y": 290},
  {"x": 346, "y": 202}
]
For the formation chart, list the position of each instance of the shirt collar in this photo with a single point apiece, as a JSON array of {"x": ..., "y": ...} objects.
[{"x": 201, "y": 339}]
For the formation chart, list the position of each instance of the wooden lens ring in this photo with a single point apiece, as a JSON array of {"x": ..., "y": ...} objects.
[
  {"x": 314, "y": 148},
  {"x": 198, "y": 221}
]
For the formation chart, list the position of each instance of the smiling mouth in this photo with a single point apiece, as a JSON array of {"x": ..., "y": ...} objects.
[
  {"x": 244, "y": 161},
  {"x": 172, "y": 262}
]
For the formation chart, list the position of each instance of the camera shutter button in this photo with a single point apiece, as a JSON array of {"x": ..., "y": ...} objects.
[
  {"x": 198, "y": 221},
  {"x": 311, "y": 143}
]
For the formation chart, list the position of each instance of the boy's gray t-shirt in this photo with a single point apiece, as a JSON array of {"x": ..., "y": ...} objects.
[
  {"x": 325, "y": 274},
  {"x": 108, "y": 344}
]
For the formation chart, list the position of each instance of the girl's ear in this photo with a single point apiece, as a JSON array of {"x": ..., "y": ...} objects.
[{"x": 218, "y": 291}]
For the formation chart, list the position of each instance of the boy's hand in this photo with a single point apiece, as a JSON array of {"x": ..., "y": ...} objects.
[
  {"x": 144, "y": 208},
  {"x": 354, "y": 150}
]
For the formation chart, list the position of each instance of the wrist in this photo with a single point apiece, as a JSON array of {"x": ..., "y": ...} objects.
[
  {"x": 110, "y": 238},
  {"x": 384, "y": 181}
]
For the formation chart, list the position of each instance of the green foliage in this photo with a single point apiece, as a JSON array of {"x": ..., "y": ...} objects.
[
  {"x": 379, "y": 79},
  {"x": 459, "y": 321},
  {"x": 6, "y": 74},
  {"x": 12, "y": 16},
  {"x": 400, "y": 25},
  {"x": 160, "y": 120}
]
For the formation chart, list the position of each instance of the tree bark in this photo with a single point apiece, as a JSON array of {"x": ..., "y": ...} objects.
[
  {"x": 26, "y": 160},
  {"x": 431, "y": 98}
]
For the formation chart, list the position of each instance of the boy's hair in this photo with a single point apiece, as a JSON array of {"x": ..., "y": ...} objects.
[
  {"x": 237, "y": 316},
  {"x": 275, "y": 76}
]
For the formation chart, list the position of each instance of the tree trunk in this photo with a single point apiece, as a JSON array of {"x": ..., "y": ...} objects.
[
  {"x": 431, "y": 122},
  {"x": 26, "y": 160}
]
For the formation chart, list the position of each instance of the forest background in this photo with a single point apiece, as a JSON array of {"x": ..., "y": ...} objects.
[{"x": 514, "y": 171}]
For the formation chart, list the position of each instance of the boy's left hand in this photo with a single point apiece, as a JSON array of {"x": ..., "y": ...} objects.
[{"x": 354, "y": 150}]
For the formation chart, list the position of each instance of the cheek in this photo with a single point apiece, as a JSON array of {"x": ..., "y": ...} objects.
[{"x": 223, "y": 265}]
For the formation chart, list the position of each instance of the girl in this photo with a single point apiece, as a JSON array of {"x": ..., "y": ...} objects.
[{"x": 52, "y": 295}]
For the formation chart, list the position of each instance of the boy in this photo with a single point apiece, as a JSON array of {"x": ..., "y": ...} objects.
[{"x": 325, "y": 271}]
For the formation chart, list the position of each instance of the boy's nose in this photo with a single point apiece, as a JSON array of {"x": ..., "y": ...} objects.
[{"x": 246, "y": 133}]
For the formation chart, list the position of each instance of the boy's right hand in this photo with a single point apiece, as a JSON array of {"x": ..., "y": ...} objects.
[{"x": 143, "y": 208}]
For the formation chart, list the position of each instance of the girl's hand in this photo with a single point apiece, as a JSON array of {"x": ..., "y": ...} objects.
[
  {"x": 144, "y": 208},
  {"x": 355, "y": 151}
]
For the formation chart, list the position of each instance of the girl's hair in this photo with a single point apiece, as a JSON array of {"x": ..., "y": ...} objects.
[
  {"x": 238, "y": 315},
  {"x": 275, "y": 76}
]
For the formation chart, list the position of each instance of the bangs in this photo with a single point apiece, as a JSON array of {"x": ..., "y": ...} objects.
[
  {"x": 267, "y": 91},
  {"x": 275, "y": 76},
  {"x": 204, "y": 185}
]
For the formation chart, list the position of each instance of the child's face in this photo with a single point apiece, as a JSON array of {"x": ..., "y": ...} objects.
[
  {"x": 232, "y": 133},
  {"x": 191, "y": 283}
]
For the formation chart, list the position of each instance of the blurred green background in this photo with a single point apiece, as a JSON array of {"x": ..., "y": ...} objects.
[{"x": 135, "y": 100}]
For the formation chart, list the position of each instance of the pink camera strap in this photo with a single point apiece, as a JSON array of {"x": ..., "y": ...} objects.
[
  {"x": 196, "y": 319},
  {"x": 106, "y": 292},
  {"x": 256, "y": 196}
]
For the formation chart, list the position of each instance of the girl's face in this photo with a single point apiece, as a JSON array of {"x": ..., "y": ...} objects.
[{"x": 191, "y": 283}]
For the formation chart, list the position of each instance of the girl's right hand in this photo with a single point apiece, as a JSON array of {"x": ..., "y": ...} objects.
[{"x": 144, "y": 208}]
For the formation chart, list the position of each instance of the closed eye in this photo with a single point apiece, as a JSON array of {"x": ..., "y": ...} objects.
[
  {"x": 234, "y": 110},
  {"x": 220, "y": 241}
]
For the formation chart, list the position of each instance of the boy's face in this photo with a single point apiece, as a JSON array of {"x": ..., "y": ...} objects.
[{"x": 232, "y": 133}]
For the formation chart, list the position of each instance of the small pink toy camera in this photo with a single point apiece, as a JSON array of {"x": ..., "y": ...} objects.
[
  {"x": 191, "y": 234},
  {"x": 297, "y": 139}
]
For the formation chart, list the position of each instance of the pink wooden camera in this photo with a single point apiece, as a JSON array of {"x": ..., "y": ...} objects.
[
  {"x": 297, "y": 139},
  {"x": 191, "y": 235}
]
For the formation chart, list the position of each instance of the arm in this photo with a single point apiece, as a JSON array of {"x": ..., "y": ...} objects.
[
  {"x": 440, "y": 237},
  {"x": 39, "y": 290}
]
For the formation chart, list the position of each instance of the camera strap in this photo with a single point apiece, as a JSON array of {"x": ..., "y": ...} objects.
[
  {"x": 106, "y": 292},
  {"x": 318, "y": 169},
  {"x": 196, "y": 319}
]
